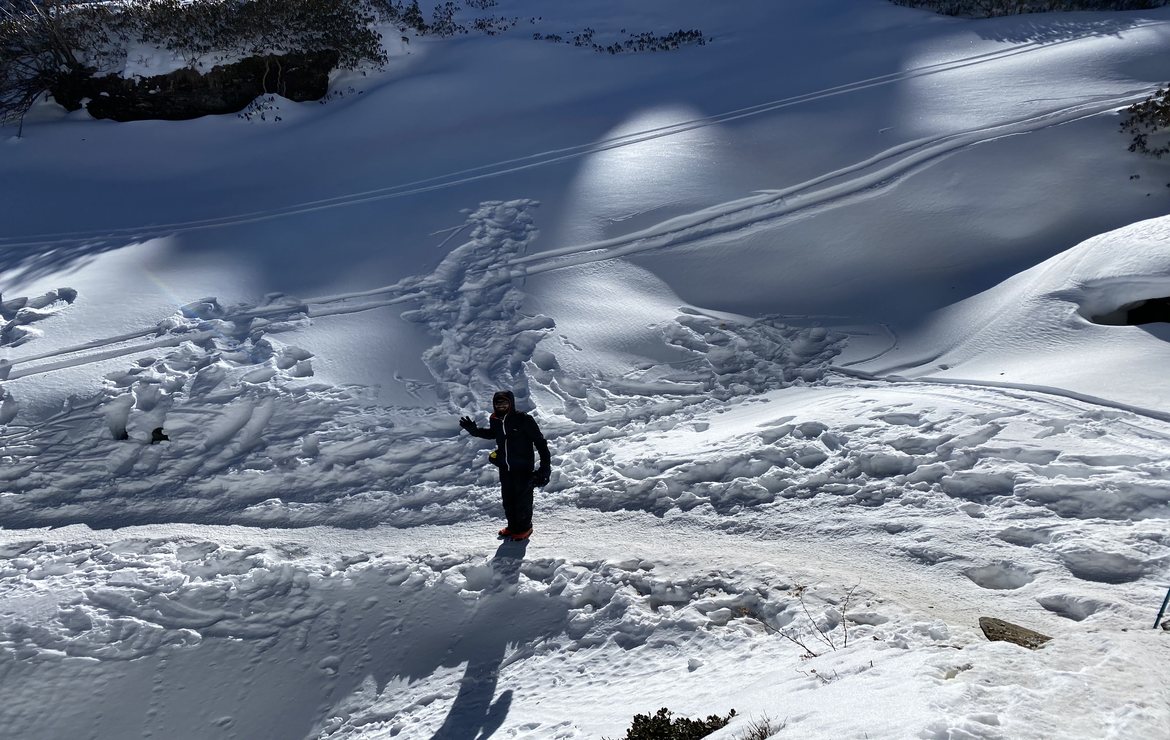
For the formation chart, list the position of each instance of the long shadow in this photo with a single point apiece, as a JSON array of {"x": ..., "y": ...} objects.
[
  {"x": 375, "y": 647},
  {"x": 474, "y": 715}
]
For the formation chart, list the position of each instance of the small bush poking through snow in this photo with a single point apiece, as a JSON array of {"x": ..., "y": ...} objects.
[
  {"x": 254, "y": 27},
  {"x": 662, "y": 727},
  {"x": 761, "y": 729}
]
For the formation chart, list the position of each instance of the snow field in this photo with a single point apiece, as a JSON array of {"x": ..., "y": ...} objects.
[
  {"x": 715, "y": 298},
  {"x": 753, "y": 434}
]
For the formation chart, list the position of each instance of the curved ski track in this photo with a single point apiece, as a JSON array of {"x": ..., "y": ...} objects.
[
  {"x": 825, "y": 191},
  {"x": 544, "y": 158}
]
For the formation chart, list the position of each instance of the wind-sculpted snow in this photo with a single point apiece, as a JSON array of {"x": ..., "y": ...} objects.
[
  {"x": 253, "y": 439},
  {"x": 127, "y": 600},
  {"x": 752, "y": 437},
  {"x": 880, "y": 445},
  {"x": 1034, "y": 329},
  {"x": 19, "y": 314}
]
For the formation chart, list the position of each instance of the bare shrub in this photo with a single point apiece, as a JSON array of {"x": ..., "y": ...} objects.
[
  {"x": 762, "y": 729},
  {"x": 41, "y": 41},
  {"x": 828, "y": 638}
]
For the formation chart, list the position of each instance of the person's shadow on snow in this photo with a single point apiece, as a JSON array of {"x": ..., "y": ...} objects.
[
  {"x": 373, "y": 634},
  {"x": 473, "y": 715}
]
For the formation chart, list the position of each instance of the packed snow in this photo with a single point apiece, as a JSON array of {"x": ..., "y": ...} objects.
[{"x": 831, "y": 323}]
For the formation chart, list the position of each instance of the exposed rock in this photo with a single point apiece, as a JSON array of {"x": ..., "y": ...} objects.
[
  {"x": 188, "y": 93},
  {"x": 998, "y": 630}
]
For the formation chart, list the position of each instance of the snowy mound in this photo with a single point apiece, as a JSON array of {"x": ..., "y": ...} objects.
[{"x": 1087, "y": 321}]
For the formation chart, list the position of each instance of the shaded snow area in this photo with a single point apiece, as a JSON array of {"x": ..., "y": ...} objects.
[{"x": 846, "y": 329}]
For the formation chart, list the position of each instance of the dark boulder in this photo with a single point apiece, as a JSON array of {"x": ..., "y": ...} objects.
[
  {"x": 997, "y": 630},
  {"x": 188, "y": 93}
]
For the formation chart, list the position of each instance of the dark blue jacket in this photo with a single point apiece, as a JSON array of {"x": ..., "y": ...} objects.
[{"x": 516, "y": 434}]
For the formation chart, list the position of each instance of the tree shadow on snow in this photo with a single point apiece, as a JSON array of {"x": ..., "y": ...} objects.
[{"x": 1051, "y": 28}]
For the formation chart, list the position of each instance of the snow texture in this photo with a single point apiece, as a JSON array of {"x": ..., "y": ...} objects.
[{"x": 826, "y": 322}]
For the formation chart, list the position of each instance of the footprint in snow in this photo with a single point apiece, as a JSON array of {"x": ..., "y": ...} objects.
[
  {"x": 1076, "y": 608},
  {"x": 1001, "y": 576},
  {"x": 901, "y": 419},
  {"x": 1103, "y": 567},
  {"x": 1025, "y": 537}
]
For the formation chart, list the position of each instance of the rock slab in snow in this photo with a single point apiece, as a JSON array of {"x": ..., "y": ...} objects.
[{"x": 997, "y": 630}]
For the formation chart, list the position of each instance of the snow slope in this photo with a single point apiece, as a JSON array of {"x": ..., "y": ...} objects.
[
  {"x": 807, "y": 314},
  {"x": 1034, "y": 328}
]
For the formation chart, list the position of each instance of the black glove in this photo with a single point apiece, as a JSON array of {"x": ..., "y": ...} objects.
[
  {"x": 467, "y": 423},
  {"x": 540, "y": 477}
]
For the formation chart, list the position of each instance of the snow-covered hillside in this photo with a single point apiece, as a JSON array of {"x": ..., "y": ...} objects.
[{"x": 824, "y": 320}]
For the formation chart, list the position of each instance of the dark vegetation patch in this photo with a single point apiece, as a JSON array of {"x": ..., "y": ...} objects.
[
  {"x": 443, "y": 22},
  {"x": 48, "y": 44},
  {"x": 186, "y": 93},
  {"x": 661, "y": 726},
  {"x": 632, "y": 42},
  {"x": 1149, "y": 118}
]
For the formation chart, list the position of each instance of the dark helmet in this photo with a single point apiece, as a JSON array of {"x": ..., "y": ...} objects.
[{"x": 506, "y": 395}]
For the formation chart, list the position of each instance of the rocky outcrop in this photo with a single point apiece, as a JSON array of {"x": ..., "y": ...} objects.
[
  {"x": 189, "y": 93},
  {"x": 997, "y": 630}
]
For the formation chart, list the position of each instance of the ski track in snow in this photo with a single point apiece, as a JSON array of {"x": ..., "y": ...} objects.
[
  {"x": 829, "y": 190},
  {"x": 540, "y": 159}
]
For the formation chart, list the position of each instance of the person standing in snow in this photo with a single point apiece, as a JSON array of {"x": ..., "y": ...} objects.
[{"x": 516, "y": 435}]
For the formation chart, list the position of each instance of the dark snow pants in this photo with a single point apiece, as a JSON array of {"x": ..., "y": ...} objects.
[{"x": 516, "y": 490}]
